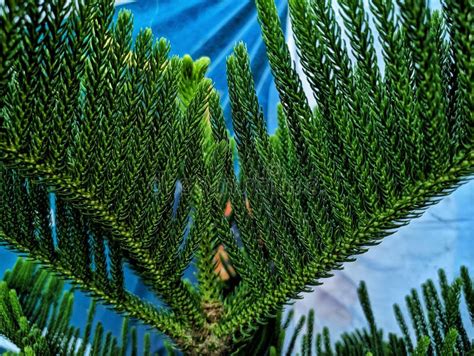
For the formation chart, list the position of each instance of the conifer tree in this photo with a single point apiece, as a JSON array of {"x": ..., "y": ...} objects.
[{"x": 130, "y": 147}]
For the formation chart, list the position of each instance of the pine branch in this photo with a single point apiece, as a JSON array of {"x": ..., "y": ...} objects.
[
  {"x": 139, "y": 159},
  {"x": 81, "y": 176},
  {"x": 127, "y": 303},
  {"x": 429, "y": 338},
  {"x": 386, "y": 202},
  {"x": 84, "y": 201},
  {"x": 72, "y": 259},
  {"x": 36, "y": 315},
  {"x": 379, "y": 227}
]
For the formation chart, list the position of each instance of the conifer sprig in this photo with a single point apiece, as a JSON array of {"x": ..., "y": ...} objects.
[
  {"x": 126, "y": 150},
  {"x": 110, "y": 106},
  {"x": 439, "y": 332},
  {"x": 360, "y": 165},
  {"x": 36, "y": 314},
  {"x": 437, "y": 324}
]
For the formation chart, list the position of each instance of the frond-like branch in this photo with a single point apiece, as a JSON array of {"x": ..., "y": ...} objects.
[
  {"x": 36, "y": 315},
  {"x": 350, "y": 151},
  {"x": 129, "y": 148}
]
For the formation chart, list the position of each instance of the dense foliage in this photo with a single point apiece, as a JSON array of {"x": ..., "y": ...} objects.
[
  {"x": 436, "y": 323},
  {"x": 130, "y": 148},
  {"x": 36, "y": 314}
]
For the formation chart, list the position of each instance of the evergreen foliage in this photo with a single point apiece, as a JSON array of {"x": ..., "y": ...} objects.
[
  {"x": 436, "y": 327},
  {"x": 130, "y": 147},
  {"x": 436, "y": 323},
  {"x": 35, "y": 314}
]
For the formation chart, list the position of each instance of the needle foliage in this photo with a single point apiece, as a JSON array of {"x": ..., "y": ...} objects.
[
  {"x": 36, "y": 315},
  {"x": 115, "y": 155},
  {"x": 435, "y": 327}
]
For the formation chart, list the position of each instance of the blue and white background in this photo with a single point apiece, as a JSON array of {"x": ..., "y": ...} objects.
[{"x": 442, "y": 238}]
